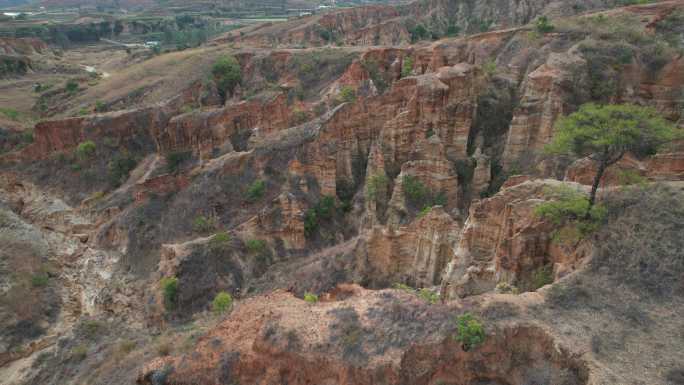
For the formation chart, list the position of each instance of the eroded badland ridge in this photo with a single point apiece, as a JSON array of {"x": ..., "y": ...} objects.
[{"x": 360, "y": 196}]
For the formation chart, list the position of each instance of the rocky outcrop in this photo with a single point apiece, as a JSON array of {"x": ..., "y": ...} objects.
[
  {"x": 415, "y": 254},
  {"x": 224, "y": 128},
  {"x": 503, "y": 241},
  {"x": 283, "y": 220}
]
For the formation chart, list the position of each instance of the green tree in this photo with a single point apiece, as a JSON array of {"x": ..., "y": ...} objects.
[
  {"x": 605, "y": 133},
  {"x": 227, "y": 75}
]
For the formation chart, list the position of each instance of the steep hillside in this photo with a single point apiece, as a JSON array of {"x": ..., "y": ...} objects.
[
  {"x": 360, "y": 204},
  {"x": 412, "y": 22}
]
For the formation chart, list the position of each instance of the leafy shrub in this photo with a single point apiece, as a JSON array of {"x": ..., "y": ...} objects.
[
  {"x": 169, "y": 288},
  {"x": 476, "y": 25},
  {"x": 418, "y": 32},
  {"x": 326, "y": 207},
  {"x": 126, "y": 346},
  {"x": 39, "y": 280},
  {"x": 377, "y": 186},
  {"x": 91, "y": 328},
  {"x": 175, "y": 159},
  {"x": 220, "y": 241},
  {"x": 100, "y": 106},
  {"x": 569, "y": 207},
  {"x": 256, "y": 246},
  {"x": 79, "y": 353},
  {"x": 119, "y": 168},
  {"x": 543, "y": 25},
  {"x": 407, "y": 67},
  {"x": 164, "y": 347},
  {"x": 222, "y": 302},
  {"x": 71, "y": 87},
  {"x": 489, "y": 67},
  {"x": 506, "y": 288},
  {"x": 425, "y": 211},
  {"x": 299, "y": 116},
  {"x": 10, "y": 113},
  {"x": 310, "y": 297},
  {"x": 469, "y": 331},
  {"x": 310, "y": 222},
  {"x": 86, "y": 149},
  {"x": 345, "y": 191},
  {"x": 378, "y": 78},
  {"x": 452, "y": 30},
  {"x": 415, "y": 191},
  {"x": 542, "y": 276},
  {"x": 347, "y": 94},
  {"x": 227, "y": 75},
  {"x": 428, "y": 295},
  {"x": 323, "y": 210},
  {"x": 630, "y": 178},
  {"x": 203, "y": 224},
  {"x": 256, "y": 190},
  {"x": 425, "y": 294}
]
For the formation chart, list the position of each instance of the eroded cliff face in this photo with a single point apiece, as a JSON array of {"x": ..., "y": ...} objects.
[
  {"x": 396, "y": 166},
  {"x": 505, "y": 243}
]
